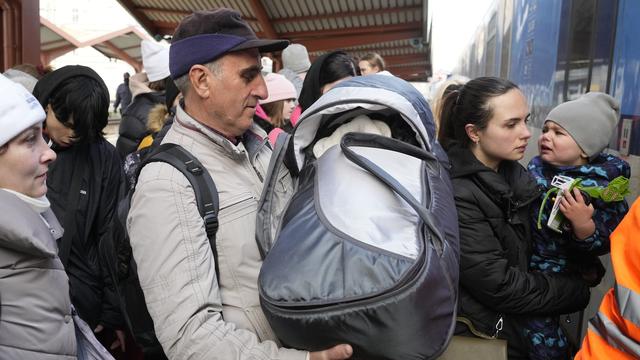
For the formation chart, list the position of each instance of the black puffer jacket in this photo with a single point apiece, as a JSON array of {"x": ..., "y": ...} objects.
[
  {"x": 495, "y": 241},
  {"x": 133, "y": 126},
  {"x": 101, "y": 187}
]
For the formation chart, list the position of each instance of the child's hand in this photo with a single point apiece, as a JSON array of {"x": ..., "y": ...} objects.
[{"x": 575, "y": 209}]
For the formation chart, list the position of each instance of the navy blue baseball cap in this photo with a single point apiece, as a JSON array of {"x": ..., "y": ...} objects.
[{"x": 207, "y": 35}]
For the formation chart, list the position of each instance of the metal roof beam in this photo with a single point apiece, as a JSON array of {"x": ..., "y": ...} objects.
[
  {"x": 408, "y": 70},
  {"x": 355, "y": 30},
  {"x": 177, "y": 12},
  {"x": 123, "y": 55},
  {"x": 342, "y": 15},
  {"x": 114, "y": 34},
  {"x": 48, "y": 55},
  {"x": 341, "y": 42},
  {"x": 58, "y": 31},
  {"x": 383, "y": 48},
  {"x": 165, "y": 27},
  {"x": 164, "y": 11},
  {"x": 61, "y": 41},
  {"x": 265, "y": 23},
  {"x": 395, "y": 60},
  {"x": 140, "y": 16},
  {"x": 130, "y": 47}
]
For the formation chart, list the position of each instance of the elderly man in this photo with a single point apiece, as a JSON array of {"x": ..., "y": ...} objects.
[{"x": 215, "y": 62}]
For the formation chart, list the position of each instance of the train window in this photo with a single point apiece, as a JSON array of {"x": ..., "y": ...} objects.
[
  {"x": 584, "y": 48},
  {"x": 506, "y": 39},
  {"x": 582, "y": 20},
  {"x": 563, "y": 54},
  {"x": 492, "y": 30},
  {"x": 603, "y": 44}
]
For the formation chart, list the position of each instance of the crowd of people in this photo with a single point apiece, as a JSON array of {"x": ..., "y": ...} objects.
[{"x": 61, "y": 184}]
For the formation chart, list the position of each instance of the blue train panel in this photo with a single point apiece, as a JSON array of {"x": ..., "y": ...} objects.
[
  {"x": 534, "y": 50},
  {"x": 625, "y": 75}
]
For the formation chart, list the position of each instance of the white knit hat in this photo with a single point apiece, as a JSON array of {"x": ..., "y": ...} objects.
[
  {"x": 279, "y": 88},
  {"x": 267, "y": 65},
  {"x": 155, "y": 59},
  {"x": 19, "y": 110}
]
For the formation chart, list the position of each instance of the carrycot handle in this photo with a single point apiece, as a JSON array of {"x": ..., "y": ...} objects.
[{"x": 381, "y": 142}]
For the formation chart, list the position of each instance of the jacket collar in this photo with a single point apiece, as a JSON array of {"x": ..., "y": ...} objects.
[
  {"x": 22, "y": 229},
  {"x": 251, "y": 141},
  {"x": 599, "y": 172},
  {"x": 510, "y": 187}
]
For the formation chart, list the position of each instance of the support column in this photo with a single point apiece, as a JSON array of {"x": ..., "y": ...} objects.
[{"x": 20, "y": 25}]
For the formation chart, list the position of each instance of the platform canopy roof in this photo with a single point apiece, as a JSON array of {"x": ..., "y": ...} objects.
[
  {"x": 398, "y": 30},
  {"x": 123, "y": 44}
]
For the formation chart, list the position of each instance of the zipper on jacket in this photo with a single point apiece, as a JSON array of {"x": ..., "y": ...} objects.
[
  {"x": 499, "y": 326},
  {"x": 257, "y": 173}
]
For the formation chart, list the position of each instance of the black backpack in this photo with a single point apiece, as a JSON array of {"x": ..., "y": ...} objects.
[{"x": 125, "y": 274}]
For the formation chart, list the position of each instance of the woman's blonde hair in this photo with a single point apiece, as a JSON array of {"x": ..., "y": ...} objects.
[
  {"x": 445, "y": 88},
  {"x": 374, "y": 59},
  {"x": 274, "y": 111}
]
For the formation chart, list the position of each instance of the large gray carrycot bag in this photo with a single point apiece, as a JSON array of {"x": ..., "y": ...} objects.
[{"x": 366, "y": 251}]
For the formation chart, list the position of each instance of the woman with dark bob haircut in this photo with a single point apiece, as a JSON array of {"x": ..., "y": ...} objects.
[
  {"x": 325, "y": 72},
  {"x": 484, "y": 131}
]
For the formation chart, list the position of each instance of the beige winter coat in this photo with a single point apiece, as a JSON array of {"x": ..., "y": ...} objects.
[{"x": 175, "y": 262}]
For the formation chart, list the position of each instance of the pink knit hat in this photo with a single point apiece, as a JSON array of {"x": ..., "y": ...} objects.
[{"x": 279, "y": 88}]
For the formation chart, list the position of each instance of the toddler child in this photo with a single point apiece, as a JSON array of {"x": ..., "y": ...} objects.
[{"x": 571, "y": 144}]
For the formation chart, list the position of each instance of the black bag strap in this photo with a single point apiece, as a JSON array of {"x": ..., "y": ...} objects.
[
  {"x": 381, "y": 142},
  {"x": 202, "y": 183},
  {"x": 70, "y": 226}
]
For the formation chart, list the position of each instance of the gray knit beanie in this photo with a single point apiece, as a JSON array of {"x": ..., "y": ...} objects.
[
  {"x": 590, "y": 120},
  {"x": 296, "y": 58}
]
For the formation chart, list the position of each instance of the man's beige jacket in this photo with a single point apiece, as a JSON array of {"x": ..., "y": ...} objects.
[{"x": 194, "y": 316}]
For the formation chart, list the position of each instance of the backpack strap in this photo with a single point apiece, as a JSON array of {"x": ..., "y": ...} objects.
[{"x": 203, "y": 187}]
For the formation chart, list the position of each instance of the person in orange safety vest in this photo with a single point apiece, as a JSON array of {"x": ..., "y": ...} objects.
[{"x": 614, "y": 333}]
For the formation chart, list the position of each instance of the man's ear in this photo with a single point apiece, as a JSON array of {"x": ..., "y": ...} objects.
[
  {"x": 472, "y": 133},
  {"x": 198, "y": 76}
]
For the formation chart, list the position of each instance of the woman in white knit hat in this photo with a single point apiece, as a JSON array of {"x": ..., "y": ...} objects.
[
  {"x": 37, "y": 319},
  {"x": 147, "y": 90},
  {"x": 34, "y": 288}
]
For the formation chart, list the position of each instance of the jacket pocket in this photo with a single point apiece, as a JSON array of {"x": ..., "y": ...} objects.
[
  {"x": 237, "y": 206},
  {"x": 284, "y": 180}
]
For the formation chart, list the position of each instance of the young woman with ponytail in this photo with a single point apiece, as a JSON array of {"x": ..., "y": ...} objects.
[{"x": 484, "y": 131}]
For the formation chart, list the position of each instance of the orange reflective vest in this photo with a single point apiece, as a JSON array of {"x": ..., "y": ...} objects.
[{"x": 614, "y": 333}]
